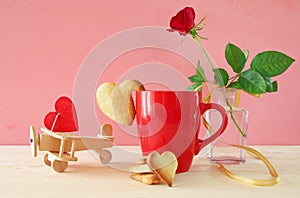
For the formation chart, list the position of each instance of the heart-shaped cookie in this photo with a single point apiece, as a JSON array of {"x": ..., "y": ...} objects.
[
  {"x": 103, "y": 97},
  {"x": 66, "y": 121},
  {"x": 116, "y": 101},
  {"x": 164, "y": 166}
]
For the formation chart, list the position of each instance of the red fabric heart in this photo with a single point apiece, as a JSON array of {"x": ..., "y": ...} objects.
[{"x": 66, "y": 120}]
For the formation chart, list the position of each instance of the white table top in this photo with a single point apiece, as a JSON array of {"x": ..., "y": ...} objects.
[{"x": 25, "y": 176}]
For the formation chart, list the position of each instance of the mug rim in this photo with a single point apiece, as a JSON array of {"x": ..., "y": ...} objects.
[{"x": 168, "y": 91}]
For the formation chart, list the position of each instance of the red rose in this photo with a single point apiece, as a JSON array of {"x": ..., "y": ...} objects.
[{"x": 183, "y": 22}]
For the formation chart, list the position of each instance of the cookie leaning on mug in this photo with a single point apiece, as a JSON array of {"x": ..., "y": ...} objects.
[
  {"x": 116, "y": 102},
  {"x": 122, "y": 102},
  {"x": 103, "y": 97}
]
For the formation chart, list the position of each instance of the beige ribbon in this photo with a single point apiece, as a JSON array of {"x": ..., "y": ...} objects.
[{"x": 258, "y": 182}]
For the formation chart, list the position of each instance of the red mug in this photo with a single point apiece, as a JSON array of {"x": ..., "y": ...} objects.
[{"x": 170, "y": 121}]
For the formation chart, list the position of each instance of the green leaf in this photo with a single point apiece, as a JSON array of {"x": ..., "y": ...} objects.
[
  {"x": 195, "y": 78},
  {"x": 275, "y": 86},
  {"x": 235, "y": 85},
  {"x": 268, "y": 81},
  {"x": 271, "y": 86},
  {"x": 200, "y": 72},
  {"x": 252, "y": 82},
  {"x": 235, "y": 57},
  {"x": 195, "y": 87},
  {"x": 271, "y": 63},
  {"x": 221, "y": 76}
]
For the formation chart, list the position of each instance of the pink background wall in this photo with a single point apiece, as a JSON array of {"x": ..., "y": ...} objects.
[{"x": 42, "y": 45}]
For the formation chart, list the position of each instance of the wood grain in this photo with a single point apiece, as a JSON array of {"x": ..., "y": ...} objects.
[{"x": 24, "y": 176}]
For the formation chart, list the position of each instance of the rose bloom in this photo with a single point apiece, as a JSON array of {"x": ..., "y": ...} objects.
[{"x": 183, "y": 22}]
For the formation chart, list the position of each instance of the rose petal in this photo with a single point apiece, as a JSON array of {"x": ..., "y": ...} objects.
[{"x": 183, "y": 21}]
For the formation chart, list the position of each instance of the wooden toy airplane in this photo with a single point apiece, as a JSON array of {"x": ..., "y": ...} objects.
[{"x": 61, "y": 147}]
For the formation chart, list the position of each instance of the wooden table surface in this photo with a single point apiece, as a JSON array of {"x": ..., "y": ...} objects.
[{"x": 25, "y": 176}]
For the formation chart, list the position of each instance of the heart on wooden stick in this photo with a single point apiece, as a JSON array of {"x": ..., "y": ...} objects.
[
  {"x": 64, "y": 118},
  {"x": 164, "y": 166}
]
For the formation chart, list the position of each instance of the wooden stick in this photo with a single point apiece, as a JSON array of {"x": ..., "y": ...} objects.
[
  {"x": 62, "y": 147},
  {"x": 73, "y": 148}
]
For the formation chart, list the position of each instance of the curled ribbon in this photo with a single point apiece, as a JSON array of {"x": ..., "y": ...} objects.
[{"x": 258, "y": 182}]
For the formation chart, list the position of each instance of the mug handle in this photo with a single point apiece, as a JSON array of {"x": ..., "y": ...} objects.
[{"x": 203, "y": 108}]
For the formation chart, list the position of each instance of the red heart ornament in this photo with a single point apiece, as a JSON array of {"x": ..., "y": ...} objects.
[{"x": 66, "y": 121}]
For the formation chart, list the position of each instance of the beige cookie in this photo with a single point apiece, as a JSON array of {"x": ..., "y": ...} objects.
[
  {"x": 140, "y": 168},
  {"x": 142, "y": 161},
  {"x": 122, "y": 103},
  {"x": 103, "y": 96},
  {"x": 146, "y": 178},
  {"x": 164, "y": 166}
]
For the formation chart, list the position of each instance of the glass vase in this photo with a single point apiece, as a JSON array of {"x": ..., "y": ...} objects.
[{"x": 220, "y": 150}]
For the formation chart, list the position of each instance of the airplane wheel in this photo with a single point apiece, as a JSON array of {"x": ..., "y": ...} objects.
[
  {"x": 46, "y": 161},
  {"x": 59, "y": 166},
  {"x": 105, "y": 156}
]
